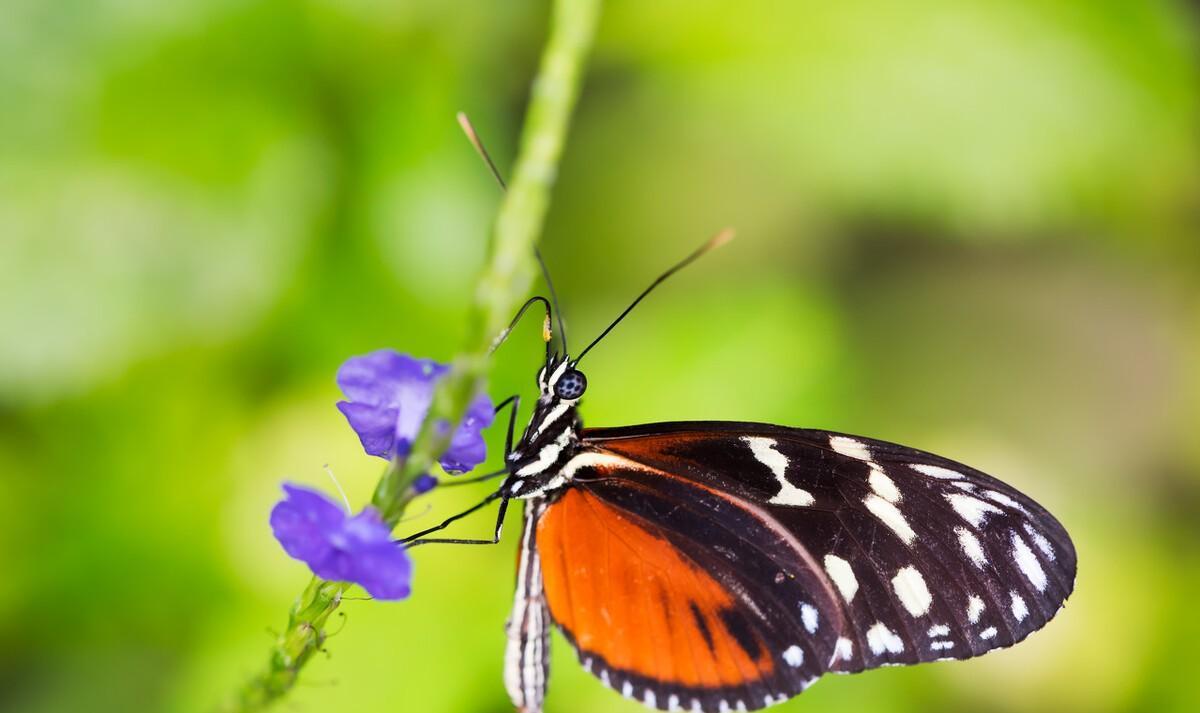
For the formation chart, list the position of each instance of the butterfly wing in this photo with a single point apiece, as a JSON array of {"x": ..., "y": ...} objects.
[
  {"x": 931, "y": 559},
  {"x": 681, "y": 596}
]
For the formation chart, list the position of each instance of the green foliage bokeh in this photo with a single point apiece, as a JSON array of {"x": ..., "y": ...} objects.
[{"x": 966, "y": 226}]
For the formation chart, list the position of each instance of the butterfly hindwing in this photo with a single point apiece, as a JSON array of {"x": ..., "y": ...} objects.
[
  {"x": 680, "y": 596},
  {"x": 930, "y": 559}
]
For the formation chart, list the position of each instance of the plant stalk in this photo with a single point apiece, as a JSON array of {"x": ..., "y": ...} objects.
[{"x": 505, "y": 280}]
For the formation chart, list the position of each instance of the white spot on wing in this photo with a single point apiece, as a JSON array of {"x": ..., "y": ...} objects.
[
  {"x": 974, "y": 609},
  {"x": 988, "y": 633},
  {"x": 971, "y": 547},
  {"x": 883, "y": 485},
  {"x": 810, "y": 617},
  {"x": 941, "y": 645},
  {"x": 1028, "y": 562},
  {"x": 764, "y": 450},
  {"x": 1019, "y": 610},
  {"x": 849, "y": 447},
  {"x": 911, "y": 589},
  {"x": 627, "y": 690},
  {"x": 936, "y": 471},
  {"x": 889, "y": 515},
  {"x": 1040, "y": 541},
  {"x": 1004, "y": 500},
  {"x": 650, "y": 699},
  {"x": 791, "y": 495},
  {"x": 673, "y": 703},
  {"x": 842, "y": 575},
  {"x": 880, "y": 639},
  {"x": 794, "y": 656},
  {"x": 844, "y": 649},
  {"x": 939, "y": 630},
  {"x": 973, "y": 510},
  {"x": 596, "y": 459}
]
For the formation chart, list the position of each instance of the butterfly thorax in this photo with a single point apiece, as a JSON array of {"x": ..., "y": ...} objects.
[{"x": 551, "y": 439}]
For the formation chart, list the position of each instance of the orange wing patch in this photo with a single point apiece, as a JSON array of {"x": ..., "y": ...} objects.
[{"x": 625, "y": 594}]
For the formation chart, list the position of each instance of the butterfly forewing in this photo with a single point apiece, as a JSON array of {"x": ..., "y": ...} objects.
[
  {"x": 681, "y": 596},
  {"x": 930, "y": 559}
]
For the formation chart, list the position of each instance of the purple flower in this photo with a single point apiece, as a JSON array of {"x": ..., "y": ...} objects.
[
  {"x": 388, "y": 396},
  {"x": 424, "y": 483},
  {"x": 338, "y": 547}
]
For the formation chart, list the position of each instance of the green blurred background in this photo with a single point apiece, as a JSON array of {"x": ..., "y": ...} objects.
[{"x": 966, "y": 226}]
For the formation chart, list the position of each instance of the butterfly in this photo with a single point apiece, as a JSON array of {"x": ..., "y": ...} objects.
[{"x": 715, "y": 566}]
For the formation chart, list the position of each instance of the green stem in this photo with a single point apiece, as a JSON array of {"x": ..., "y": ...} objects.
[{"x": 504, "y": 282}]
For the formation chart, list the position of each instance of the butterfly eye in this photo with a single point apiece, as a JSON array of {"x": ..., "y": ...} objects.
[{"x": 571, "y": 384}]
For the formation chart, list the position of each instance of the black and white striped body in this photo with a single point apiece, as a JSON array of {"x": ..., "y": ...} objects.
[
  {"x": 538, "y": 466},
  {"x": 539, "y": 463}
]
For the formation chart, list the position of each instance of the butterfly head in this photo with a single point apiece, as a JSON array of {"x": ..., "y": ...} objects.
[
  {"x": 551, "y": 438},
  {"x": 559, "y": 380}
]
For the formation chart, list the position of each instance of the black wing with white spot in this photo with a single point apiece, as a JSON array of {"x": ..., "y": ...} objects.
[{"x": 932, "y": 559}]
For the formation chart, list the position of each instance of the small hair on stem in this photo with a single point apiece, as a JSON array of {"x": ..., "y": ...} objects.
[
  {"x": 336, "y": 484},
  {"x": 343, "y": 620}
]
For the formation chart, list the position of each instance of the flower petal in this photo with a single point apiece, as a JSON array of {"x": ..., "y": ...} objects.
[
  {"x": 303, "y": 521},
  {"x": 384, "y": 570},
  {"x": 359, "y": 549},
  {"x": 378, "y": 377},
  {"x": 336, "y": 566},
  {"x": 424, "y": 483},
  {"x": 467, "y": 447},
  {"x": 389, "y": 395},
  {"x": 366, "y": 528},
  {"x": 375, "y": 426}
]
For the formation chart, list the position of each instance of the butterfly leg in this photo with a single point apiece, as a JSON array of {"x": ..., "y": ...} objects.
[
  {"x": 514, "y": 403},
  {"x": 413, "y": 541}
]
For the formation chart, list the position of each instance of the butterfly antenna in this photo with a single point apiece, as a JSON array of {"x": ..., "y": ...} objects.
[
  {"x": 562, "y": 329},
  {"x": 473, "y": 136},
  {"x": 546, "y": 334},
  {"x": 713, "y": 243}
]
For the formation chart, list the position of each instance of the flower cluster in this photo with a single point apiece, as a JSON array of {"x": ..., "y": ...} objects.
[
  {"x": 388, "y": 396},
  {"x": 339, "y": 547}
]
